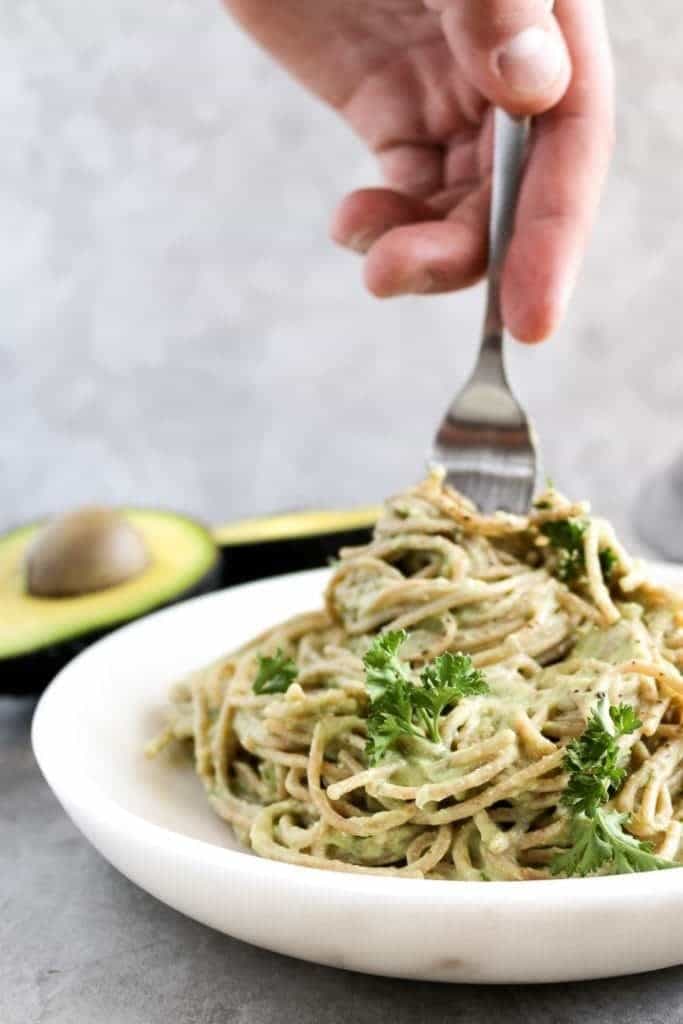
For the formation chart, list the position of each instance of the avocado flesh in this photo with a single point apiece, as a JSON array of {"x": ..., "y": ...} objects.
[{"x": 183, "y": 561}]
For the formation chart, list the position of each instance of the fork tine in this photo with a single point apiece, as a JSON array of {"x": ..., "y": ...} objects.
[
  {"x": 492, "y": 492},
  {"x": 487, "y": 447}
]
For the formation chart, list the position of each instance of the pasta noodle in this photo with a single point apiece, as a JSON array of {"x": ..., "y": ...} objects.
[{"x": 289, "y": 770}]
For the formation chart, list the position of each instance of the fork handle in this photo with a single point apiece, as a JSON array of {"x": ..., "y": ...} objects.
[{"x": 510, "y": 138}]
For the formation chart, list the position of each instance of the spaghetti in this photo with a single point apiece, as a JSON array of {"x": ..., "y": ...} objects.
[{"x": 554, "y": 613}]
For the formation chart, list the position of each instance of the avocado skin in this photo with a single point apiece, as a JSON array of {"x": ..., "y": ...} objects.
[
  {"x": 30, "y": 673},
  {"x": 245, "y": 562}
]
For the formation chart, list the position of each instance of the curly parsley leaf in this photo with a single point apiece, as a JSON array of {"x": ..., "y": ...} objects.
[
  {"x": 600, "y": 840},
  {"x": 449, "y": 678},
  {"x": 389, "y": 686},
  {"x": 592, "y": 759},
  {"x": 383, "y": 668},
  {"x": 389, "y": 719},
  {"x": 595, "y": 773},
  {"x": 624, "y": 719},
  {"x": 566, "y": 536},
  {"x": 608, "y": 563},
  {"x": 400, "y": 707},
  {"x": 276, "y": 674}
]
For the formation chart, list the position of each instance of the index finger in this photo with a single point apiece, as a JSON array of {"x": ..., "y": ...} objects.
[{"x": 567, "y": 165}]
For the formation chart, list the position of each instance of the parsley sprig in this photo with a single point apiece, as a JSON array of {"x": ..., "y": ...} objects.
[
  {"x": 276, "y": 674},
  {"x": 400, "y": 707},
  {"x": 566, "y": 537},
  {"x": 593, "y": 759},
  {"x": 593, "y": 762},
  {"x": 444, "y": 682}
]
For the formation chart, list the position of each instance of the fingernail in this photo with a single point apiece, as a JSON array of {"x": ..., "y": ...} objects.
[
  {"x": 422, "y": 283},
  {"x": 360, "y": 242},
  {"x": 531, "y": 61},
  {"x": 567, "y": 289}
]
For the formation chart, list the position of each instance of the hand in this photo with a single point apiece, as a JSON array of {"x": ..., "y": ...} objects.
[{"x": 416, "y": 80}]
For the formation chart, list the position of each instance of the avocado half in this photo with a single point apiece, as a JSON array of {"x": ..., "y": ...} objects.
[
  {"x": 272, "y": 545},
  {"x": 40, "y": 634}
]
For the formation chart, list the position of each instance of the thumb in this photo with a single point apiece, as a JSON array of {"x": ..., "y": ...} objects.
[{"x": 511, "y": 51}]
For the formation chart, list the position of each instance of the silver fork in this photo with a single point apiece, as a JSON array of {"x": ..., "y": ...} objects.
[{"x": 486, "y": 442}]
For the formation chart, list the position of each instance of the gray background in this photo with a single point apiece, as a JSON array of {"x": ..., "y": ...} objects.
[{"x": 176, "y": 329}]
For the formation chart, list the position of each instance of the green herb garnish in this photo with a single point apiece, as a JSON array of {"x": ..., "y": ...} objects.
[
  {"x": 593, "y": 759},
  {"x": 566, "y": 537},
  {"x": 276, "y": 674},
  {"x": 399, "y": 707},
  {"x": 593, "y": 762},
  {"x": 446, "y": 681},
  {"x": 391, "y": 708},
  {"x": 608, "y": 562}
]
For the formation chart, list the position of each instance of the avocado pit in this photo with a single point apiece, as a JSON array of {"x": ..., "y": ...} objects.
[{"x": 84, "y": 551}]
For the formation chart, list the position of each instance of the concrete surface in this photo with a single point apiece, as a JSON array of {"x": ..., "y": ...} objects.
[{"x": 177, "y": 330}]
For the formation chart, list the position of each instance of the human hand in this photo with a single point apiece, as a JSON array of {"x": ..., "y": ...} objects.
[{"x": 416, "y": 79}]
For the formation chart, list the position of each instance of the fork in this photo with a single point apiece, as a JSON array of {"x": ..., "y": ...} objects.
[{"x": 486, "y": 442}]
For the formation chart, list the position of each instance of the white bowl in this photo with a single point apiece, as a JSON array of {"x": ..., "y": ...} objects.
[{"x": 150, "y": 820}]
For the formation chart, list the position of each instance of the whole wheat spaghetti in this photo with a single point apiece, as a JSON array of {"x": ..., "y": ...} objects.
[{"x": 554, "y": 629}]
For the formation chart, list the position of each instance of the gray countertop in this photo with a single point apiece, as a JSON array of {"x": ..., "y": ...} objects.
[{"x": 79, "y": 944}]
